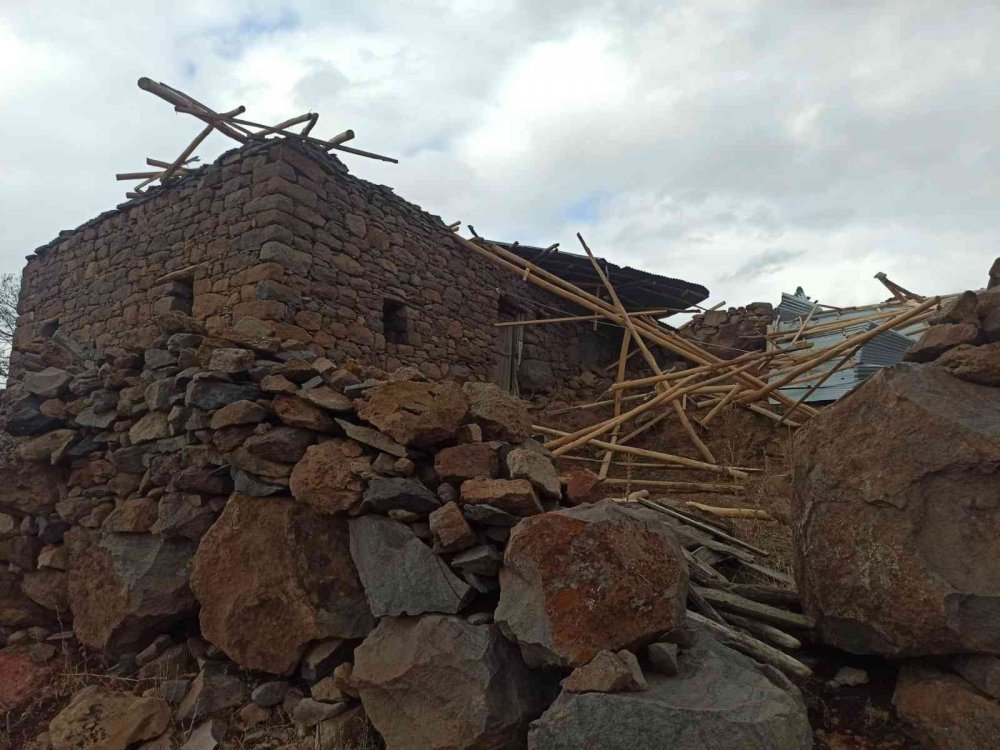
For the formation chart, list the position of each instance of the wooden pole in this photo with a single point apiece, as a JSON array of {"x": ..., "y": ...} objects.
[
  {"x": 751, "y": 513},
  {"x": 655, "y": 455},
  {"x": 341, "y": 138},
  {"x": 622, "y": 360},
  {"x": 575, "y": 318}
]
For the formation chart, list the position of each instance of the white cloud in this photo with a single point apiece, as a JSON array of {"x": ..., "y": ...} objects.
[{"x": 810, "y": 145}]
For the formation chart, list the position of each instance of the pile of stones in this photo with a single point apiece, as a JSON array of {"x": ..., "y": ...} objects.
[{"x": 251, "y": 532}]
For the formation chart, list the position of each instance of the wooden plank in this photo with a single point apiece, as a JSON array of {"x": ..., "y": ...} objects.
[
  {"x": 703, "y": 526},
  {"x": 769, "y": 633},
  {"x": 753, "y": 647},
  {"x": 749, "y": 608}
]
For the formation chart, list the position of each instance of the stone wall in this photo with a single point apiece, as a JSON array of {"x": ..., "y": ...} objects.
[{"x": 281, "y": 241}]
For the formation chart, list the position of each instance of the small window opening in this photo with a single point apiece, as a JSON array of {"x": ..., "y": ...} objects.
[{"x": 395, "y": 322}]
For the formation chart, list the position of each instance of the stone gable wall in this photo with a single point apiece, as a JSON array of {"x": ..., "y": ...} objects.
[{"x": 287, "y": 243}]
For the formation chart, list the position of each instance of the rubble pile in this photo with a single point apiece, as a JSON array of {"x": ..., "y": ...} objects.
[
  {"x": 895, "y": 522},
  {"x": 250, "y": 530},
  {"x": 730, "y": 333}
]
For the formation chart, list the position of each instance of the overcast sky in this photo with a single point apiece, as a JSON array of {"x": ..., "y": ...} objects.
[{"x": 749, "y": 146}]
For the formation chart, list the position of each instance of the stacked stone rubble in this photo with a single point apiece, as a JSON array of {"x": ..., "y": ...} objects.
[
  {"x": 730, "y": 333},
  {"x": 252, "y": 530}
]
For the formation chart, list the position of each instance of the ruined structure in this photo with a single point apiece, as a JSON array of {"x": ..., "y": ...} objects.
[{"x": 279, "y": 239}]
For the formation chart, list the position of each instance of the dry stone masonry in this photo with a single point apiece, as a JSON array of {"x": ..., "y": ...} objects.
[
  {"x": 277, "y": 240},
  {"x": 247, "y": 528}
]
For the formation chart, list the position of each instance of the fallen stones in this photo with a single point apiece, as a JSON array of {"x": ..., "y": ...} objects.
[
  {"x": 524, "y": 463},
  {"x": 607, "y": 672},
  {"x": 663, "y": 658},
  {"x": 981, "y": 670},
  {"x": 214, "y": 394},
  {"x": 570, "y": 586},
  {"x": 231, "y": 361},
  {"x": 214, "y": 689},
  {"x": 940, "y": 338},
  {"x": 125, "y": 586},
  {"x": 238, "y": 412},
  {"x": 895, "y": 521},
  {"x": 944, "y": 710},
  {"x": 21, "y": 676},
  {"x": 977, "y": 364},
  {"x": 47, "y": 383},
  {"x": 48, "y": 447},
  {"x": 584, "y": 486},
  {"x": 501, "y": 415},
  {"x": 720, "y": 700},
  {"x": 449, "y": 529},
  {"x": 328, "y": 476},
  {"x": 384, "y": 494},
  {"x": 298, "y": 412},
  {"x": 273, "y": 575},
  {"x": 105, "y": 720},
  {"x": 467, "y": 461},
  {"x": 439, "y": 682},
  {"x": 515, "y": 496},
  {"x": 401, "y": 575},
  {"x": 415, "y": 414}
]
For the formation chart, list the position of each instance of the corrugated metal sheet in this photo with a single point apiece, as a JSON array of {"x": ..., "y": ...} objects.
[{"x": 885, "y": 349}]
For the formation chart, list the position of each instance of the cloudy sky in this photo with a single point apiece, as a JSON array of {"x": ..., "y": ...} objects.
[{"x": 749, "y": 146}]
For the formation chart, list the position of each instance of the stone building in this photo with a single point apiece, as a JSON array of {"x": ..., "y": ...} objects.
[{"x": 278, "y": 238}]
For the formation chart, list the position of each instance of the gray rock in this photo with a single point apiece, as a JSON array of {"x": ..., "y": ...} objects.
[
  {"x": 524, "y": 463},
  {"x": 206, "y": 736},
  {"x": 269, "y": 694},
  {"x": 849, "y": 677},
  {"x": 309, "y": 712},
  {"x": 24, "y": 416},
  {"x": 90, "y": 418},
  {"x": 488, "y": 515},
  {"x": 373, "y": 438},
  {"x": 231, "y": 360},
  {"x": 483, "y": 560},
  {"x": 663, "y": 658},
  {"x": 214, "y": 689},
  {"x": 720, "y": 700},
  {"x": 214, "y": 394},
  {"x": 400, "y": 574},
  {"x": 607, "y": 672},
  {"x": 981, "y": 670},
  {"x": 440, "y": 682},
  {"x": 47, "y": 383},
  {"x": 397, "y": 493},
  {"x": 323, "y": 657},
  {"x": 251, "y": 484}
]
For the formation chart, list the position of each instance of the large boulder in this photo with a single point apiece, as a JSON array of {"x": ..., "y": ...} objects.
[
  {"x": 895, "y": 516},
  {"x": 99, "y": 719},
  {"x": 720, "y": 700},
  {"x": 329, "y": 476},
  {"x": 124, "y": 588},
  {"x": 441, "y": 683},
  {"x": 945, "y": 711},
  {"x": 977, "y": 364},
  {"x": 413, "y": 413},
  {"x": 592, "y": 578},
  {"x": 400, "y": 573},
  {"x": 272, "y": 575},
  {"x": 502, "y": 415}
]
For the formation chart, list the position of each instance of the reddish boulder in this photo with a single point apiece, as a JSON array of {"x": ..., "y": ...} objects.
[
  {"x": 516, "y": 496},
  {"x": 895, "y": 519},
  {"x": 20, "y": 677},
  {"x": 592, "y": 578},
  {"x": 273, "y": 575},
  {"x": 501, "y": 415},
  {"x": 584, "y": 486},
  {"x": 449, "y": 529},
  {"x": 329, "y": 476},
  {"x": 415, "y": 414},
  {"x": 940, "y": 338},
  {"x": 468, "y": 461},
  {"x": 945, "y": 711},
  {"x": 977, "y": 364}
]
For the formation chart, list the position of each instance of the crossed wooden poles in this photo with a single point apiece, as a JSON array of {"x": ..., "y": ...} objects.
[
  {"x": 730, "y": 382},
  {"x": 229, "y": 124}
]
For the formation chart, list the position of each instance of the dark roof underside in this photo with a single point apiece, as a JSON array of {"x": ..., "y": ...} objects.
[{"x": 638, "y": 290}]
